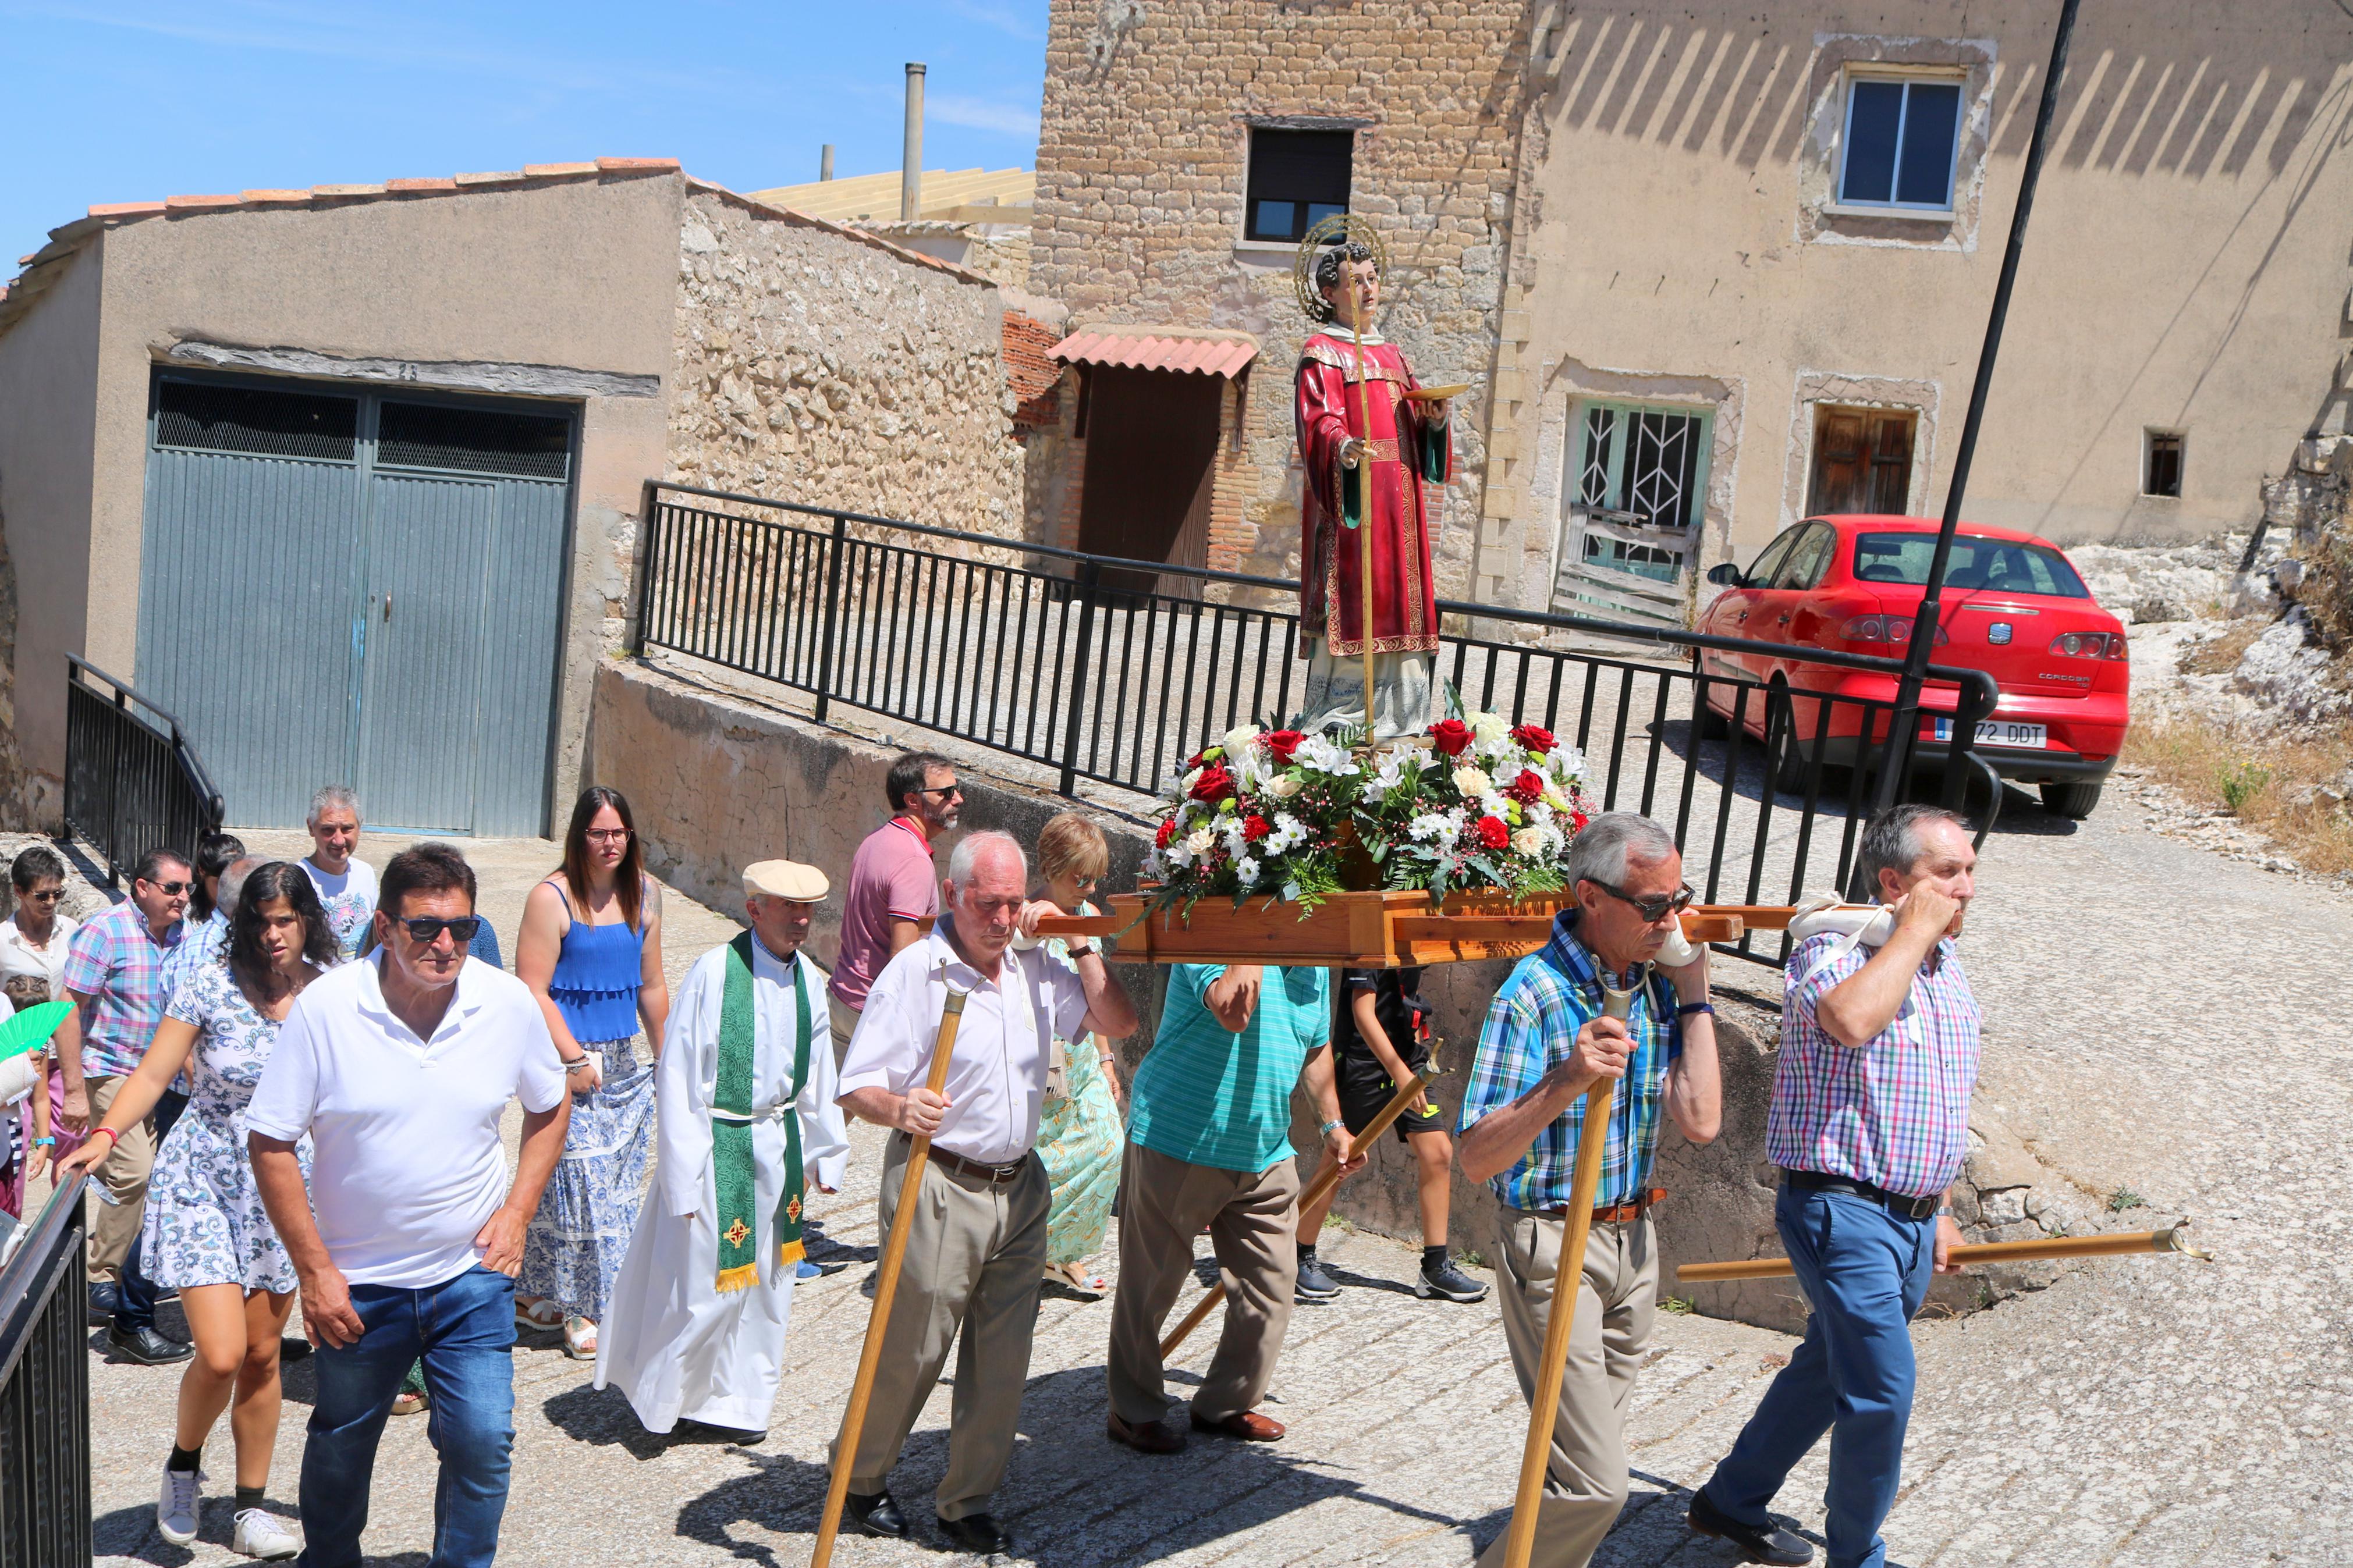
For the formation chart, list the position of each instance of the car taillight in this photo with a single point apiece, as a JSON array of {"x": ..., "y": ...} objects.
[
  {"x": 1884, "y": 628},
  {"x": 2092, "y": 644}
]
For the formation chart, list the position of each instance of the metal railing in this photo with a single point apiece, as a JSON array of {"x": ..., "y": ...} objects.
[
  {"x": 973, "y": 636},
  {"x": 133, "y": 781},
  {"x": 44, "y": 1482}
]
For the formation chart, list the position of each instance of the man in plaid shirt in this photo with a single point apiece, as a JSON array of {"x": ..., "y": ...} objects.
[
  {"x": 1869, "y": 1123},
  {"x": 1544, "y": 1044}
]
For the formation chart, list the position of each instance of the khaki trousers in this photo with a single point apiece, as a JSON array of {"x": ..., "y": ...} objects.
[
  {"x": 1254, "y": 1220},
  {"x": 1585, "y": 1480},
  {"x": 123, "y": 1173},
  {"x": 975, "y": 1255},
  {"x": 845, "y": 1024}
]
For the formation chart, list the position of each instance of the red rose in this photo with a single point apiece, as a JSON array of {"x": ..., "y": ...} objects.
[
  {"x": 1281, "y": 744},
  {"x": 1215, "y": 782},
  {"x": 1255, "y": 827},
  {"x": 1528, "y": 788},
  {"x": 1535, "y": 737},
  {"x": 1452, "y": 736},
  {"x": 1580, "y": 819},
  {"x": 1166, "y": 835},
  {"x": 1494, "y": 832}
]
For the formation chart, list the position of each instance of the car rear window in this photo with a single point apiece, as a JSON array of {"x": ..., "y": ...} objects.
[{"x": 1996, "y": 566}]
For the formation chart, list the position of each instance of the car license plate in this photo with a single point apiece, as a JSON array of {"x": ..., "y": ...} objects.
[{"x": 2000, "y": 732}]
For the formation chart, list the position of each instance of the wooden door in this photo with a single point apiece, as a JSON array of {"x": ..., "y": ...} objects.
[
  {"x": 1152, "y": 441},
  {"x": 1862, "y": 461}
]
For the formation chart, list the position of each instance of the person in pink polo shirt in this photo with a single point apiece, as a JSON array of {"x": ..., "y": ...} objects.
[{"x": 895, "y": 889}]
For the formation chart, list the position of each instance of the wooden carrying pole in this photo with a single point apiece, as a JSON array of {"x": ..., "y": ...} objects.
[
  {"x": 886, "y": 1286},
  {"x": 2121, "y": 1244},
  {"x": 1314, "y": 1195},
  {"x": 1568, "y": 1290}
]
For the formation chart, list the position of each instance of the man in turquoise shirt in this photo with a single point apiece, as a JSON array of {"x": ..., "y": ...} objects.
[{"x": 1209, "y": 1145}]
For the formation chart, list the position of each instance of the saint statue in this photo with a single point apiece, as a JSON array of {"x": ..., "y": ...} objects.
[{"x": 1376, "y": 465}]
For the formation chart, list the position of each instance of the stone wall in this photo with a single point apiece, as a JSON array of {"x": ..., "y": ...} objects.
[
  {"x": 818, "y": 367},
  {"x": 1140, "y": 168},
  {"x": 15, "y": 808}
]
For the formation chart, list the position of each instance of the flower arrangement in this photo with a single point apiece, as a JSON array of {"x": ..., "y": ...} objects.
[{"x": 1475, "y": 803}]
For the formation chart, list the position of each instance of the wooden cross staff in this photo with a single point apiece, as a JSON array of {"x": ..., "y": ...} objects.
[{"x": 1363, "y": 492}]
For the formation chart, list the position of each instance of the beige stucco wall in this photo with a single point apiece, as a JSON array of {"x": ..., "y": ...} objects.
[{"x": 48, "y": 373}]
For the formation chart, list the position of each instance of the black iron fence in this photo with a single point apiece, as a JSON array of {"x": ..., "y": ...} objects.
[
  {"x": 1032, "y": 652},
  {"x": 132, "y": 782},
  {"x": 44, "y": 1485}
]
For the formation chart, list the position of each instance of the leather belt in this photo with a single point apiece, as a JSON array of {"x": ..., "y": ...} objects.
[
  {"x": 1616, "y": 1214},
  {"x": 996, "y": 1175},
  {"x": 1896, "y": 1202}
]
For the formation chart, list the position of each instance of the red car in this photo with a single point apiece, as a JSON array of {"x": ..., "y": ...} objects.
[{"x": 2013, "y": 606}]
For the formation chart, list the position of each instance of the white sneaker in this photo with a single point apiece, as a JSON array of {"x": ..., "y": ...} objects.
[
  {"x": 175, "y": 1510},
  {"x": 259, "y": 1534}
]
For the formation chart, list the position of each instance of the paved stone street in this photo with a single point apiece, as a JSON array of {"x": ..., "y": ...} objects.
[{"x": 2161, "y": 1019}]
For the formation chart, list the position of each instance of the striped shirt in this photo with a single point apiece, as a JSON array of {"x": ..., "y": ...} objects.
[
  {"x": 1209, "y": 1097},
  {"x": 1530, "y": 1027},
  {"x": 1893, "y": 1113},
  {"x": 118, "y": 964}
]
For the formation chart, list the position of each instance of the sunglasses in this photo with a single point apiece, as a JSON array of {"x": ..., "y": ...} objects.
[
  {"x": 425, "y": 929},
  {"x": 1652, "y": 907},
  {"x": 944, "y": 790},
  {"x": 171, "y": 889},
  {"x": 51, "y": 896}
]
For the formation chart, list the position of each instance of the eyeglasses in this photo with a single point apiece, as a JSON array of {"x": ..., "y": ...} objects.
[
  {"x": 943, "y": 790},
  {"x": 605, "y": 835},
  {"x": 425, "y": 929},
  {"x": 1652, "y": 907},
  {"x": 169, "y": 890},
  {"x": 51, "y": 896}
]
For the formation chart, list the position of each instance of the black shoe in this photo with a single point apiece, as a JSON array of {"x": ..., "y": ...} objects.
[
  {"x": 977, "y": 1532},
  {"x": 876, "y": 1515},
  {"x": 1314, "y": 1285},
  {"x": 105, "y": 1300},
  {"x": 1767, "y": 1543},
  {"x": 147, "y": 1347},
  {"x": 692, "y": 1431},
  {"x": 1449, "y": 1283},
  {"x": 289, "y": 1350}
]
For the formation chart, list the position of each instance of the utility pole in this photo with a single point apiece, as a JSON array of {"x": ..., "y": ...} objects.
[
  {"x": 911, "y": 159},
  {"x": 825, "y": 162}
]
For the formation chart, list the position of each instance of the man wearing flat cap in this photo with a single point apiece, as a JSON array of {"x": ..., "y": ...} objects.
[{"x": 745, "y": 1119}]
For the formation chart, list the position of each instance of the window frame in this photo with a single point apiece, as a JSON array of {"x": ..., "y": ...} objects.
[
  {"x": 1251, "y": 171},
  {"x": 2149, "y": 437},
  {"x": 1620, "y": 448},
  {"x": 1895, "y": 75}
]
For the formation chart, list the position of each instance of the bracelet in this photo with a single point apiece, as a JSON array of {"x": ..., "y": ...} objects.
[
  {"x": 110, "y": 1131},
  {"x": 45, "y": 1143},
  {"x": 1075, "y": 952},
  {"x": 577, "y": 1063},
  {"x": 1688, "y": 1008},
  {"x": 1326, "y": 1131}
]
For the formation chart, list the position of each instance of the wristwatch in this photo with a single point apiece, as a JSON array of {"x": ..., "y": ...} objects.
[{"x": 1077, "y": 951}]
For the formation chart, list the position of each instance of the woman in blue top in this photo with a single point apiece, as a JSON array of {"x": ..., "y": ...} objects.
[{"x": 590, "y": 951}]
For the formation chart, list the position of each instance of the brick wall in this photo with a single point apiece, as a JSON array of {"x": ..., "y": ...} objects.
[{"x": 1140, "y": 168}]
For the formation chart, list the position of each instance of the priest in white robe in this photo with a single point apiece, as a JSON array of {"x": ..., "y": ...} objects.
[{"x": 696, "y": 1334}]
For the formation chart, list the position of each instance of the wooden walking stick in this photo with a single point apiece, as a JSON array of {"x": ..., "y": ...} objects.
[
  {"x": 1314, "y": 1195},
  {"x": 886, "y": 1286},
  {"x": 2121, "y": 1244},
  {"x": 1567, "y": 1282}
]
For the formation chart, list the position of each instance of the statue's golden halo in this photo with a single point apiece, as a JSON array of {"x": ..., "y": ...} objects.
[{"x": 1338, "y": 229}]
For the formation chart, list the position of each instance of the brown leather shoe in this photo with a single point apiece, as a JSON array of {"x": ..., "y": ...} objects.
[
  {"x": 1249, "y": 1426},
  {"x": 1149, "y": 1437}
]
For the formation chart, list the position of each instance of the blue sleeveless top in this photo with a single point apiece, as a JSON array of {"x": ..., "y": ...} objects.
[{"x": 598, "y": 972}]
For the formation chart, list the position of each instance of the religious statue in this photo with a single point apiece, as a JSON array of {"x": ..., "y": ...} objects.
[{"x": 1374, "y": 449}]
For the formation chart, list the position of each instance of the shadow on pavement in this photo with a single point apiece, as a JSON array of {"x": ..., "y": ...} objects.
[{"x": 602, "y": 1416}]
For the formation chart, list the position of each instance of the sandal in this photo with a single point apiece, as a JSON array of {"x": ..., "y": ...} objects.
[
  {"x": 541, "y": 1314},
  {"x": 1070, "y": 1279},
  {"x": 579, "y": 1339},
  {"x": 408, "y": 1403}
]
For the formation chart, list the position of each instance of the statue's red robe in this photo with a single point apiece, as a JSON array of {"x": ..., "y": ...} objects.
[{"x": 1410, "y": 457}]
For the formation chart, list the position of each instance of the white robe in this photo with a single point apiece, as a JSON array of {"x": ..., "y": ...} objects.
[{"x": 672, "y": 1342}]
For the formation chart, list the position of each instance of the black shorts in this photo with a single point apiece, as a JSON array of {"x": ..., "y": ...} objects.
[{"x": 1366, "y": 1091}]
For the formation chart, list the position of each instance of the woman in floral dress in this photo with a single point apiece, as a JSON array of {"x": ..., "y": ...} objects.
[
  {"x": 1078, "y": 1135},
  {"x": 206, "y": 1233}
]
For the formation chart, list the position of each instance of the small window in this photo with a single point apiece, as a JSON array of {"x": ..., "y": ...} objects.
[
  {"x": 2162, "y": 473},
  {"x": 474, "y": 440},
  {"x": 1899, "y": 143},
  {"x": 1297, "y": 179},
  {"x": 265, "y": 421}
]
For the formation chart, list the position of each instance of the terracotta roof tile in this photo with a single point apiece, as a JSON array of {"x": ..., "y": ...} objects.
[
  {"x": 609, "y": 163},
  {"x": 272, "y": 198},
  {"x": 542, "y": 170},
  {"x": 347, "y": 189},
  {"x": 443, "y": 184},
  {"x": 189, "y": 204},
  {"x": 1144, "y": 348},
  {"x": 498, "y": 177},
  {"x": 126, "y": 209}
]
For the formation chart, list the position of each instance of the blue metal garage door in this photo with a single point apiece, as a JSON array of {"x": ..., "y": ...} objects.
[{"x": 360, "y": 588}]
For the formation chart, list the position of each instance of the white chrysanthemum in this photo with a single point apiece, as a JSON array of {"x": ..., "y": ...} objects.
[
  {"x": 1237, "y": 843},
  {"x": 1441, "y": 828},
  {"x": 1324, "y": 755},
  {"x": 1472, "y": 781},
  {"x": 1494, "y": 804},
  {"x": 1246, "y": 868},
  {"x": 1289, "y": 834},
  {"x": 1202, "y": 841}
]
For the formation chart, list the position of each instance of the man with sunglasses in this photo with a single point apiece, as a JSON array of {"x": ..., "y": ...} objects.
[
  {"x": 894, "y": 891},
  {"x": 1545, "y": 1043},
  {"x": 398, "y": 1066},
  {"x": 114, "y": 976}
]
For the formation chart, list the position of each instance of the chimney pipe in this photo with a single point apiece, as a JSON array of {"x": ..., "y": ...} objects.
[
  {"x": 825, "y": 162},
  {"x": 910, "y": 160}
]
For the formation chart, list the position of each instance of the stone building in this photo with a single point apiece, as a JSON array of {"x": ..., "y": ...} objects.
[
  {"x": 1719, "y": 267},
  {"x": 351, "y": 479}
]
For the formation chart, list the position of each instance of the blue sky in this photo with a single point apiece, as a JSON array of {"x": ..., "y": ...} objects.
[{"x": 112, "y": 101}]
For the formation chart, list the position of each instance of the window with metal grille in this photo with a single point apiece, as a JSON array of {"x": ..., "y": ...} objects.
[
  {"x": 2162, "y": 473},
  {"x": 1899, "y": 144},
  {"x": 1645, "y": 461},
  {"x": 208, "y": 416},
  {"x": 1297, "y": 179},
  {"x": 474, "y": 440}
]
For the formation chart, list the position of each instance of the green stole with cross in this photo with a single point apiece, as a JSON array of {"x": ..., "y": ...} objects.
[{"x": 731, "y": 1163}]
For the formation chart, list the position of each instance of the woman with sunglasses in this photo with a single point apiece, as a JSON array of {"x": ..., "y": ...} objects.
[
  {"x": 205, "y": 1231},
  {"x": 590, "y": 951},
  {"x": 34, "y": 942}
]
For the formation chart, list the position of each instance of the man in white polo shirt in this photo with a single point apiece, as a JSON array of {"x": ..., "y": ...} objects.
[
  {"x": 399, "y": 1067},
  {"x": 977, "y": 1249}
]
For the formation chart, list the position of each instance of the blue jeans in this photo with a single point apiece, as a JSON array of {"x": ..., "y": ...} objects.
[
  {"x": 1864, "y": 1271},
  {"x": 464, "y": 1331}
]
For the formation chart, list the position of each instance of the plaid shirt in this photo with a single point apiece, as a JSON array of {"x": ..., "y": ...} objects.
[
  {"x": 1896, "y": 1112},
  {"x": 1530, "y": 1027},
  {"x": 118, "y": 964}
]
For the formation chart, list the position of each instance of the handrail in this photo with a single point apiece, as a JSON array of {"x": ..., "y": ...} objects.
[
  {"x": 189, "y": 762},
  {"x": 132, "y": 779},
  {"x": 20, "y": 1276}
]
